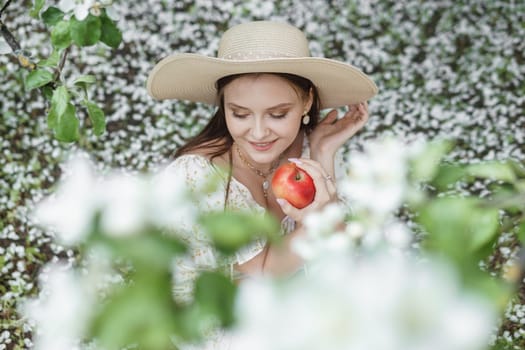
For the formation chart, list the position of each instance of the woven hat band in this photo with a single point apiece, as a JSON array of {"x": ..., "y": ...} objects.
[{"x": 263, "y": 41}]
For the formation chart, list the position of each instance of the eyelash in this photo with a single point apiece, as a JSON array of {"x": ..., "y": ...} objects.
[
  {"x": 240, "y": 116},
  {"x": 276, "y": 116}
]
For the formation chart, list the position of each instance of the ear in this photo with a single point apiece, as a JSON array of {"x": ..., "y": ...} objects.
[{"x": 309, "y": 100}]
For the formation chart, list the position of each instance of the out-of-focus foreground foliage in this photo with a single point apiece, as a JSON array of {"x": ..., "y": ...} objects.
[{"x": 451, "y": 69}]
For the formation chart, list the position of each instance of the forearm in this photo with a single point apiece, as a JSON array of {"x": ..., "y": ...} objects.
[
  {"x": 277, "y": 259},
  {"x": 326, "y": 159}
]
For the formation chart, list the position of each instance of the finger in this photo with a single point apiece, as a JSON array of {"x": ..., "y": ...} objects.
[
  {"x": 313, "y": 168},
  {"x": 289, "y": 209},
  {"x": 330, "y": 117},
  {"x": 325, "y": 188},
  {"x": 330, "y": 185},
  {"x": 358, "y": 115},
  {"x": 352, "y": 113},
  {"x": 363, "y": 108}
]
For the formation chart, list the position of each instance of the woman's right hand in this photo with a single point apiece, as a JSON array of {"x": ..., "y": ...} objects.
[{"x": 325, "y": 190}]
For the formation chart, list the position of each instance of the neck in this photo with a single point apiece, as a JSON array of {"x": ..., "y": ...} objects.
[
  {"x": 256, "y": 168},
  {"x": 296, "y": 148}
]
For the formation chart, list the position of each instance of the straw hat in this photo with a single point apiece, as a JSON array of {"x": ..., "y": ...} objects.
[{"x": 261, "y": 46}]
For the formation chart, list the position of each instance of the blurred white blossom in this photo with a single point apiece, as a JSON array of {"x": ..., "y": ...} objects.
[
  {"x": 124, "y": 201},
  {"x": 376, "y": 182},
  {"x": 71, "y": 208},
  {"x": 79, "y": 7},
  {"x": 169, "y": 204},
  {"x": 381, "y": 301},
  {"x": 125, "y": 204},
  {"x": 82, "y": 8},
  {"x": 62, "y": 310},
  {"x": 322, "y": 236}
]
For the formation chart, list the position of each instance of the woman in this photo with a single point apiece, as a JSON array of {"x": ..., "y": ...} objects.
[{"x": 269, "y": 92}]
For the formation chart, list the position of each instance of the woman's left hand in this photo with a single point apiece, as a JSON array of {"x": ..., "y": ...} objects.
[{"x": 331, "y": 133}]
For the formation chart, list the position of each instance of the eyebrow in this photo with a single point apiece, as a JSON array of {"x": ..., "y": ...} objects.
[{"x": 280, "y": 105}]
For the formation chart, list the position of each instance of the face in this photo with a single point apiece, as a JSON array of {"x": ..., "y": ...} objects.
[{"x": 263, "y": 115}]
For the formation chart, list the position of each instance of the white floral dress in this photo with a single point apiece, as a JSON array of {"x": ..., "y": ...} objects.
[{"x": 196, "y": 171}]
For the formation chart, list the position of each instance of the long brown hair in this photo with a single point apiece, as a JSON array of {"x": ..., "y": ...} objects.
[{"x": 215, "y": 139}]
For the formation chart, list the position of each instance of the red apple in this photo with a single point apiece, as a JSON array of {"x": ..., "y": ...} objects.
[{"x": 293, "y": 184}]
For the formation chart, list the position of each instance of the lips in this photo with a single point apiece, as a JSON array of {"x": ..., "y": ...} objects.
[{"x": 262, "y": 146}]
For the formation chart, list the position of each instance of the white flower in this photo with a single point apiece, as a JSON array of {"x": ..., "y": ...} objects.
[
  {"x": 397, "y": 234},
  {"x": 355, "y": 230},
  {"x": 81, "y": 8},
  {"x": 62, "y": 310},
  {"x": 67, "y": 5},
  {"x": 321, "y": 233},
  {"x": 169, "y": 202},
  {"x": 324, "y": 222},
  {"x": 70, "y": 210},
  {"x": 376, "y": 181},
  {"x": 380, "y": 301},
  {"x": 123, "y": 204}
]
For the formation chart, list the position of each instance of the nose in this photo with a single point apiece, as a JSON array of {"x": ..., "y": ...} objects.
[{"x": 259, "y": 128}]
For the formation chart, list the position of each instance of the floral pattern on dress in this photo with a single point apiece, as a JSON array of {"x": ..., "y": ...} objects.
[{"x": 198, "y": 172}]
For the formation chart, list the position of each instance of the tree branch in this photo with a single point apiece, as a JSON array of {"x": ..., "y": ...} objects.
[
  {"x": 15, "y": 46},
  {"x": 58, "y": 71},
  {"x": 4, "y": 7},
  {"x": 9, "y": 38}
]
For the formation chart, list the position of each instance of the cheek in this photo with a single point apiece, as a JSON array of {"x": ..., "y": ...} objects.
[
  {"x": 235, "y": 127},
  {"x": 289, "y": 127}
]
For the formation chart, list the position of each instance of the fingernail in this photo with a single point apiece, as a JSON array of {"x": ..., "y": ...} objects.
[
  {"x": 280, "y": 201},
  {"x": 295, "y": 160}
]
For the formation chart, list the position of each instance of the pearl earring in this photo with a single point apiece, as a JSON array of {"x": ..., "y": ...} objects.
[{"x": 306, "y": 119}]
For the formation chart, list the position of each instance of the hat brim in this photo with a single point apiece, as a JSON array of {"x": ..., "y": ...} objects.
[{"x": 192, "y": 77}]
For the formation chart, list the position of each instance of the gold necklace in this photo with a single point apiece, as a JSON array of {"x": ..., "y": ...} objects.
[{"x": 264, "y": 175}]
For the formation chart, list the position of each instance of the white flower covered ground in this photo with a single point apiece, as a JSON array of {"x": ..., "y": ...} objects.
[{"x": 451, "y": 69}]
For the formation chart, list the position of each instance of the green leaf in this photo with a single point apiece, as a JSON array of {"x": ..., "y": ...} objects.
[
  {"x": 84, "y": 79},
  {"x": 60, "y": 100},
  {"x": 492, "y": 170},
  {"x": 59, "y": 106},
  {"x": 484, "y": 224},
  {"x": 52, "y": 118},
  {"x": 459, "y": 227},
  {"x": 51, "y": 61},
  {"x": 447, "y": 175},
  {"x": 215, "y": 295},
  {"x": 96, "y": 115},
  {"x": 47, "y": 91},
  {"x": 86, "y": 32},
  {"x": 141, "y": 313},
  {"x": 231, "y": 230},
  {"x": 110, "y": 34},
  {"x": 37, "y": 6},
  {"x": 521, "y": 233},
  {"x": 152, "y": 250},
  {"x": 67, "y": 125},
  {"x": 61, "y": 35},
  {"x": 425, "y": 166},
  {"x": 52, "y": 16},
  {"x": 38, "y": 78}
]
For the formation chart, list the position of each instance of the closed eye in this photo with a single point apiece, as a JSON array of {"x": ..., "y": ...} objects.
[
  {"x": 278, "y": 116},
  {"x": 239, "y": 115}
]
